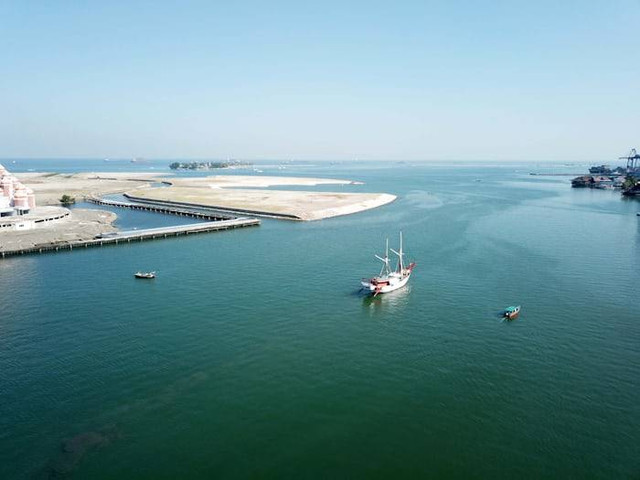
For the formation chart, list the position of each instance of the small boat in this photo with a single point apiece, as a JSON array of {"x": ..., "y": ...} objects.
[
  {"x": 145, "y": 275},
  {"x": 387, "y": 280},
  {"x": 511, "y": 312}
]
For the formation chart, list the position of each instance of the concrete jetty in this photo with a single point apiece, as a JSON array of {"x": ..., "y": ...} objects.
[
  {"x": 115, "y": 238},
  {"x": 207, "y": 214}
]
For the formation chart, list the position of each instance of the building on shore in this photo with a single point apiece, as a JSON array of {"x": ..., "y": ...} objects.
[
  {"x": 598, "y": 181},
  {"x": 15, "y": 198}
]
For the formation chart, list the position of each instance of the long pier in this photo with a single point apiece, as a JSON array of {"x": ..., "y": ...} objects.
[
  {"x": 231, "y": 212},
  {"x": 166, "y": 209},
  {"x": 129, "y": 236}
]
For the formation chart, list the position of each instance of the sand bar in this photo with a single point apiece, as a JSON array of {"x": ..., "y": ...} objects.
[
  {"x": 240, "y": 193},
  {"x": 253, "y": 181},
  {"x": 227, "y": 192}
]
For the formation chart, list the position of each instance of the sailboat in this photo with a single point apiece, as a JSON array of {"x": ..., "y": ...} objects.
[{"x": 388, "y": 280}]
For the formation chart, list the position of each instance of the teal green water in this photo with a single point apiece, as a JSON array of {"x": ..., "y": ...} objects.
[{"x": 253, "y": 355}]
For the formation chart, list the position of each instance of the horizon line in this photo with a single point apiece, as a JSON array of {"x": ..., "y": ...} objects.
[{"x": 305, "y": 160}]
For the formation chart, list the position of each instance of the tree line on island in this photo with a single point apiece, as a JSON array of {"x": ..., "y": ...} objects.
[{"x": 207, "y": 165}]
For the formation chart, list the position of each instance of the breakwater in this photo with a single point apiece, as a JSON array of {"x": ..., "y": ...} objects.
[
  {"x": 176, "y": 205},
  {"x": 116, "y": 238},
  {"x": 166, "y": 209}
]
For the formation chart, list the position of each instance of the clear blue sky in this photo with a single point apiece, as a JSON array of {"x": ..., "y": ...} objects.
[{"x": 418, "y": 80}]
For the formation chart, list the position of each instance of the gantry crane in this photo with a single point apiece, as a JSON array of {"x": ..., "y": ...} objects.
[{"x": 633, "y": 161}]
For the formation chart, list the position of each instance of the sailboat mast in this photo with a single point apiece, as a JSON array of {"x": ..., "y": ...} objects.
[
  {"x": 385, "y": 267},
  {"x": 401, "y": 254},
  {"x": 386, "y": 257}
]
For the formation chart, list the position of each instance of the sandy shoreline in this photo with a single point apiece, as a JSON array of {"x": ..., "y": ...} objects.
[
  {"x": 49, "y": 187},
  {"x": 253, "y": 181},
  {"x": 233, "y": 192}
]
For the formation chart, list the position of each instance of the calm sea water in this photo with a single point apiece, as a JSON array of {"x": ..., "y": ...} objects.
[{"x": 253, "y": 355}]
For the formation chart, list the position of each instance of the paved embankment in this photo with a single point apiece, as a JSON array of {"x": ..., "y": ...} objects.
[{"x": 116, "y": 238}]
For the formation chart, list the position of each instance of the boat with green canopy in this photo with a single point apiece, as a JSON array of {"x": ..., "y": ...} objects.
[{"x": 511, "y": 312}]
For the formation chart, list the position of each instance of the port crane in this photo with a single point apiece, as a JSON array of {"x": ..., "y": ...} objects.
[{"x": 633, "y": 161}]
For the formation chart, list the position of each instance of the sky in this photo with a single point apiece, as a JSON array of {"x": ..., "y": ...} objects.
[{"x": 325, "y": 80}]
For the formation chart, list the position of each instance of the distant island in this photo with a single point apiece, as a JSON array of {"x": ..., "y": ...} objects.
[{"x": 207, "y": 165}]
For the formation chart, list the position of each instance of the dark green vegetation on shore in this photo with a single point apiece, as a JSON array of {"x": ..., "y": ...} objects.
[
  {"x": 67, "y": 200},
  {"x": 207, "y": 165}
]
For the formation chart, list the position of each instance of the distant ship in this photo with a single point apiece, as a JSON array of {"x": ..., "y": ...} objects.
[{"x": 388, "y": 280}]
